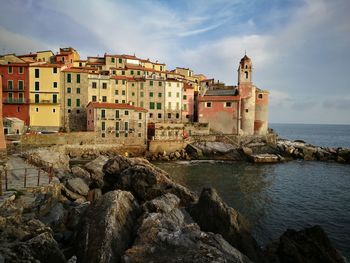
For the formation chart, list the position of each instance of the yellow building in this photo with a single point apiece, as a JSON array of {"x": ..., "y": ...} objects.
[{"x": 44, "y": 89}]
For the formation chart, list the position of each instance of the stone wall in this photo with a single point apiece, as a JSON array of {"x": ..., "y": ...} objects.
[{"x": 156, "y": 146}]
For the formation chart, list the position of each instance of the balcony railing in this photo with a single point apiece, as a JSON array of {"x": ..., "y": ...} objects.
[
  {"x": 13, "y": 89},
  {"x": 14, "y": 101}
]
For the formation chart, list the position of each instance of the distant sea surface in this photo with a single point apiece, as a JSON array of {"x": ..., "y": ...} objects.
[
  {"x": 274, "y": 197},
  {"x": 316, "y": 134}
]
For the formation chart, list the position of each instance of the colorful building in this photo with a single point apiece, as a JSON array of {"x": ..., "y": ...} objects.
[
  {"x": 15, "y": 91},
  {"x": 241, "y": 110},
  {"x": 173, "y": 100},
  {"x": 187, "y": 103},
  {"x": 121, "y": 123},
  {"x": 2, "y": 136}
]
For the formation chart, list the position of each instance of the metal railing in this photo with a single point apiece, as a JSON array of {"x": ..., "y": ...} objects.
[{"x": 14, "y": 101}]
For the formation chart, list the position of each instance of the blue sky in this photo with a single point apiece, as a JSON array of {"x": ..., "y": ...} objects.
[{"x": 300, "y": 49}]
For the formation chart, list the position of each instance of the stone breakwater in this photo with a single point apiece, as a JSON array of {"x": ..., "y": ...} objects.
[{"x": 127, "y": 210}]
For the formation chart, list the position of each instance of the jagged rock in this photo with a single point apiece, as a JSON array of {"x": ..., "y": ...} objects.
[
  {"x": 213, "y": 215},
  {"x": 95, "y": 168},
  {"x": 81, "y": 173},
  {"x": 56, "y": 217},
  {"x": 164, "y": 204},
  {"x": 143, "y": 179},
  {"x": 309, "y": 245},
  {"x": 76, "y": 214},
  {"x": 107, "y": 228},
  {"x": 70, "y": 194},
  {"x": 177, "y": 155},
  {"x": 165, "y": 237},
  {"x": 247, "y": 151},
  {"x": 264, "y": 158},
  {"x": 94, "y": 194},
  {"x": 78, "y": 186},
  {"x": 309, "y": 153}
]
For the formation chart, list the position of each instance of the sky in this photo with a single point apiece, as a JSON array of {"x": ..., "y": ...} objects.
[{"x": 300, "y": 49}]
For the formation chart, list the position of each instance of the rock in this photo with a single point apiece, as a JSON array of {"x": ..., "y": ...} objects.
[
  {"x": 56, "y": 217},
  {"x": 76, "y": 214},
  {"x": 145, "y": 181},
  {"x": 95, "y": 168},
  {"x": 78, "y": 186},
  {"x": 166, "y": 158},
  {"x": 264, "y": 158},
  {"x": 177, "y": 155},
  {"x": 209, "y": 148},
  {"x": 247, "y": 151},
  {"x": 309, "y": 153},
  {"x": 213, "y": 215},
  {"x": 309, "y": 245},
  {"x": 94, "y": 195},
  {"x": 107, "y": 228},
  {"x": 163, "y": 204},
  {"x": 165, "y": 237},
  {"x": 70, "y": 194},
  {"x": 81, "y": 173}
]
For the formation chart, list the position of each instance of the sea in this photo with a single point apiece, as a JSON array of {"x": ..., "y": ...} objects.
[{"x": 275, "y": 197}]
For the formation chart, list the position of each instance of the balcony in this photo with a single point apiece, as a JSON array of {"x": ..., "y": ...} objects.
[
  {"x": 13, "y": 89},
  {"x": 45, "y": 102},
  {"x": 15, "y": 101}
]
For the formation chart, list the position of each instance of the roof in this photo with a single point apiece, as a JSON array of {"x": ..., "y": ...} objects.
[
  {"x": 218, "y": 98},
  {"x": 221, "y": 92},
  {"x": 105, "y": 105}
]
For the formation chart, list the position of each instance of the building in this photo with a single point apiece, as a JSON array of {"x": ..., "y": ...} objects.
[
  {"x": 15, "y": 91},
  {"x": 44, "y": 88},
  {"x": 188, "y": 103},
  {"x": 13, "y": 126},
  {"x": 173, "y": 100},
  {"x": 241, "y": 110},
  {"x": 2, "y": 136},
  {"x": 122, "y": 123}
]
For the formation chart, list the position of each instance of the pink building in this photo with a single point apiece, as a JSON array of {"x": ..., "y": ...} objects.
[{"x": 187, "y": 103}]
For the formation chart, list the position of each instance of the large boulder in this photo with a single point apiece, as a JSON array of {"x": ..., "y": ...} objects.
[
  {"x": 81, "y": 173},
  {"x": 213, "y": 215},
  {"x": 95, "y": 168},
  {"x": 164, "y": 236},
  {"x": 143, "y": 179},
  {"x": 78, "y": 186},
  {"x": 309, "y": 245},
  {"x": 107, "y": 228}
]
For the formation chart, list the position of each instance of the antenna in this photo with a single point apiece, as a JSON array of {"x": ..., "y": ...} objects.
[{"x": 245, "y": 52}]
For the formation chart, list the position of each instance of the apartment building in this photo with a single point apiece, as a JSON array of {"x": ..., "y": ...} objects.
[{"x": 173, "y": 100}]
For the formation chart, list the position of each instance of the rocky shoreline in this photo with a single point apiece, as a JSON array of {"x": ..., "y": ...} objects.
[{"x": 118, "y": 209}]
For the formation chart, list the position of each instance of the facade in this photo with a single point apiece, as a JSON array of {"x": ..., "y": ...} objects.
[
  {"x": 241, "y": 110},
  {"x": 188, "y": 103},
  {"x": 121, "y": 123},
  {"x": 44, "y": 88},
  {"x": 173, "y": 100},
  {"x": 15, "y": 83},
  {"x": 2, "y": 136}
]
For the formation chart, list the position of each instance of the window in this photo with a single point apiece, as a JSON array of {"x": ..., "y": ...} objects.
[
  {"x": 103, "y": 126},
  {"x": 18, "y": 109},
  {"x": 185, "y": 107},
  {"x": 177, "y": 94},
  {"x": 69, "y": 78},
  {"x": 37, "y": 109},
  {"x": 78, "y": 102},
  {"x": 177, "y": 115},
  {"x": 260, "y": 96},
  {"x": 131, "y": 72},
  {"x": 116, "y": 101},
  {"x": 141, "y": 85},
  {"x": 36, "y": 85},
  {"x": 103, "y": 134},
  {"x": 116, "y": 92},
  {"x": 208, "y": 104},
  {"x": 159, "y": 106},
  {"x": 80, "y": 64},
  {"x": 123, "y": 92},
  {"x": 169, "y": 115},
  {"x": 10, "y": 69},
  {"x": 94, "y": 98},
  {"x": 123, "y": 101},
  {"x": 246, "y": 110},
  {"x": 151, "y": 82},
  {"x": 123, "y": 82},
  {"x": 178, "y": 84},
  {"x": 78, "y": 78},
  {"x": 133, "y": 94},
  {"x": 117, "y": 126},
  {"x": 141, "y": 104},
  {"x": 140, "y": 116},
  {"x": 103, "y": 114},
  {"x": 10, "y": 97},
  {"x": 228, "y": 104},
  {"x": 54, "y": 98},
  {"x": 132, "y": 84},
  {"x": 69, "y": 90},
  {"x": 94, "y": 85},
  {"x": 54, "y": 70},
  {"x": 69, "y": 110},
  {"x": 36, "y": 73},
  {"x": 69, "y": 102},
  {"x": 177, "y": 105},
  {"x": 21, "y": 97},
  {"x": 169, "y": 105},
  {"x": 151, "y": 115},
  {"x": 169, "y": 94},
  {"x": 116, "y": 81},
  {"x": 113, "y": 72},
  {"x": 126, "y": 126},
  {"x": 104, "y": 85},
  {"x": 151, "y": 94},
  {"x": 20, "y": 70},
  {"x": 104, "y": 98},
  {"x": 126, "y": 112},
  {"x": 54, "y": 84},
  {"x": 141, "y": 94},
  {"x": 138, "y": 72},
  {"x": 169, "y": 84},
  {"x": 246, "y": 74},
  {"x": 112, "y": 60},
  {"x": 159, "y": 115},
  {"x": 9, "y": 84},
  {"x": 159, "y": 95},
  {"x": 78, "y": 90},
  {"x": 185, "y": 97},
  {"x": 120, "y": 60},
  {"x": 151, "y": 105},
  {"x": 139, "y": 134},
  {"x": 117, "y": 114},
  {"x": 159, "y": 83},
  {"x": 37, "y": 98},
  {"x": 123, "y": 72}
]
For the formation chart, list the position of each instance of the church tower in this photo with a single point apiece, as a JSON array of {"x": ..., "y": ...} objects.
[{"x": 245, "y": 71}]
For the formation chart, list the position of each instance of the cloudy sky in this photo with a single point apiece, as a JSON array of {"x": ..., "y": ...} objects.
[{"x": 300, "y": 48}]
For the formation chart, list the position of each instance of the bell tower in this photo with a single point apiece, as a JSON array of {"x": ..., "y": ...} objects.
[{"x": 245, "y": 71}]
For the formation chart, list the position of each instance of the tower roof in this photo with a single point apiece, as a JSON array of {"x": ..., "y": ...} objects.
[{"x": 245, "y": 60}]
